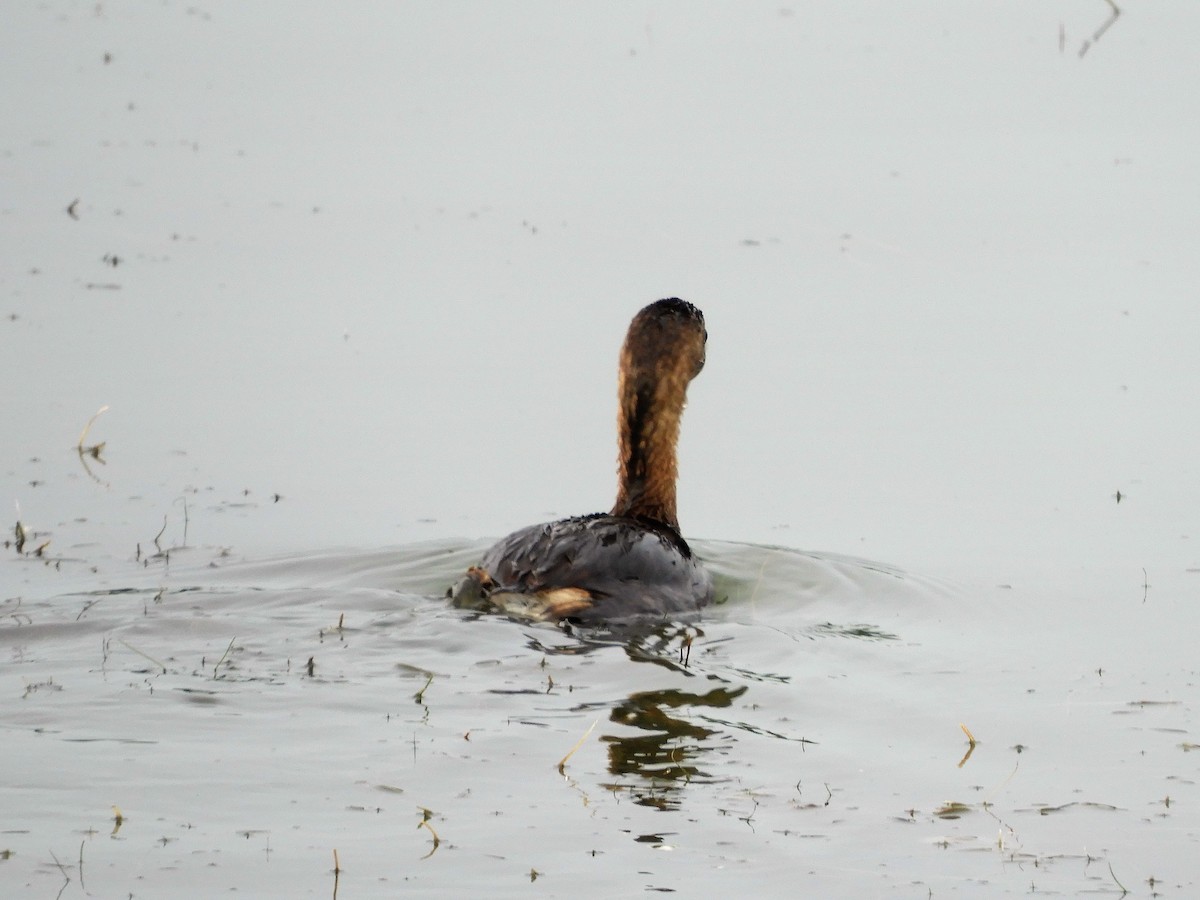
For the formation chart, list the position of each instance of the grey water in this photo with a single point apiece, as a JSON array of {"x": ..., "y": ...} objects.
[{"x": 349, "y": 285}]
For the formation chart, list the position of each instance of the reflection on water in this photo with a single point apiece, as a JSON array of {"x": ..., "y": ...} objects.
[
  {"x": 861, "y": 631},
  {"x": 669, "y": 746},
  {"x": 311, "y": 680},
  {"x": 676, "y": 733},
  {"x": 672, "y": 738},
  {"x": 665, "y": 644},
  {"x": 243, "y": 727}
]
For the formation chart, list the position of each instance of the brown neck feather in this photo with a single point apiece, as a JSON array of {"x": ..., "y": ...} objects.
[{"x": 651, "y": 406}]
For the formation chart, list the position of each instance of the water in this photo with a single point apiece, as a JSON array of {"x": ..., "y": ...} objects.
[
  {"x": 352, "y": 287},
  {"x": 247, "y": 720}
]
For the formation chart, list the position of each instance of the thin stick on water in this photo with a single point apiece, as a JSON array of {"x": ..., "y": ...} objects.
[
  {"x": 1009, "y": 777},
  {"x": 1124, "y": 890},
  {"x": 222, "y": 659},
  {"x": 66, "y": 877},
  {"x": 158, "y": 663},
  {"x": 95, "y": 449},
  {"x": 971, "y": 745},
  {"x": 425, "y": 824},
  {"x": 419, "y": 696},
  {"x": 579, "y": 743},
  {"x": 426, "y": 815},
  {"x": 88, "y": 606},
  {"x": 1108, "y": 23},
  {"x": 1104, "y": 26}
]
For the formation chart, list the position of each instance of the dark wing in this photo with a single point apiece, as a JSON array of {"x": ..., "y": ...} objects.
[{"x": 628, "y": 568}]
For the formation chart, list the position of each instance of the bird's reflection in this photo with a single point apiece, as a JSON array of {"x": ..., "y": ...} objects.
[
  {"x": 666, "y": 750},
  {"x": 661, "y": 745},
  {"x": 661, "y": 644}
]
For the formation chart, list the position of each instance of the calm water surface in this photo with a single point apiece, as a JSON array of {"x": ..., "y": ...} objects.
[
  {"x": 352, "y": 283},
  {"x": 249, "y": 719}
]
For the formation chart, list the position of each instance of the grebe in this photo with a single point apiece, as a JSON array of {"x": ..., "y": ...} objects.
[{"x": 631, "y": 563}]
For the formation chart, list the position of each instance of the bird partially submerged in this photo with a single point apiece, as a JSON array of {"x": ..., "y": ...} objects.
[{"x": 631, "y": 563}]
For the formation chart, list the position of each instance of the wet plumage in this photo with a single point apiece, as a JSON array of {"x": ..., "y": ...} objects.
[{"x": 632, "y": 562}]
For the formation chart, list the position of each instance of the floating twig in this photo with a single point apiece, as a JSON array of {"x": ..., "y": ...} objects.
[
  {"x": 1009, "y": 777},
  {"x": 88, "y": 606},
  {"x": 426, "y": 815},
  {"x": 579, "y": 743},
  {"x": 1108, "y": 23},
  {"x": 1104, "y": 26},
  {"x": 185, "y": 520},
  {"x": 970, "y": 746},
  {"x": 161, "y": 665},
  {"x": 66, "y": 877},
  {"x": 1124, "y": 890},
  {"x": 222, "y": 659},
  {"x": 95, "y": 449},
  {"x": 747, "y": 819},
  {"x": 419, "y": 696}
]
